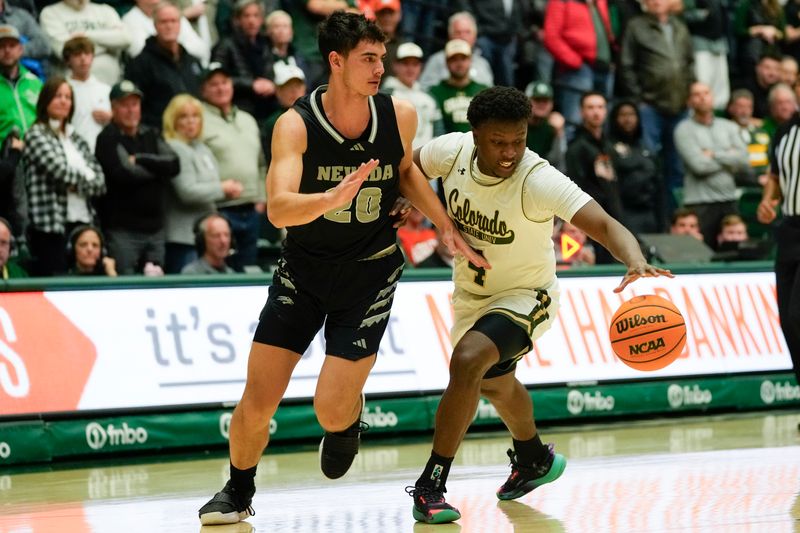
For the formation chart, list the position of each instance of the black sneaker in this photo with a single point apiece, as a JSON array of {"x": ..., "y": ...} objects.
[
  {"x": 338, "y": 450},
  {"x": 524, "y": 479},
  {"x": 228, "y": 506},
  {"x": 430, "y": 507}
]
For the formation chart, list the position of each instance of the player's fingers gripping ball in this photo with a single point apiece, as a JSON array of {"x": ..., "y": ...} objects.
[{"x": 647, "y": 332}]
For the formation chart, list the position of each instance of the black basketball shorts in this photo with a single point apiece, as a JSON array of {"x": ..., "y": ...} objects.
[
  {"x": 352, "y": 299},
  {"x": 511, "y": 340}
]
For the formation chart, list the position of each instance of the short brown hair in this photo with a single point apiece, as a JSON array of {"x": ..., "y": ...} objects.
[{"x": 77, "y": 45}]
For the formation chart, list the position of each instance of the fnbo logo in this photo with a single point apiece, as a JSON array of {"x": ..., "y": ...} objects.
[
  {"x": 98, "y": 436},
  {"x": 5, "y": 450}
]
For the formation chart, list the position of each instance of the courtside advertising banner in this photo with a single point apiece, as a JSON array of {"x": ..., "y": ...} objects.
[{"x": 116, "y": 349}]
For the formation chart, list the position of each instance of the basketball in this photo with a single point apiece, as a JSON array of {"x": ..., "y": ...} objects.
[{"x": 647, "y": 332}]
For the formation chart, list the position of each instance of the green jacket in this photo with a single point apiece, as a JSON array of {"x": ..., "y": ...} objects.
[{"x": 18, "y": 101}]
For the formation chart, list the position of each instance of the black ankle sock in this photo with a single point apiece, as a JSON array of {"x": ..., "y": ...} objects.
[
  {"x": 530, "y": 451},
  {"x": 435, "y": 474},
  {"x": 243, "y": 480}
]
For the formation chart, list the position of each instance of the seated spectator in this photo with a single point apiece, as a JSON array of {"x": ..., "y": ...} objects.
[
  {"x": 403, "y": 84},
  {"x": 640, "y": 184},
  {"x": 19, "y": 90},
  {"x": 767, "y": 73},
  {"x": 583, "y": 256},
  {"x": 87, "y": 255},
  {"x": 164, "y": 68},
  {"x": 789, "y": 70},
  {"x": 213, "y": 246},
  {"x": 138, "y": 166},
  {"x": 417, "y": 238},
  {"x": 139, "y": 22},
  {"x": 740, "y": 111},
  {"x": 281, "y": 35},
  {"x": 782, "y": 107},
  {"x": 9, "y": 268},
  {"x": 247, "y": 56},
  {"x": 234, "y": 139},
  {"x": 732, "y": 229},
  {"x": 92, "y": 105},
  {"x": 685, "y": 222},
  {"x": 195, "y": 189},
  {"x": 546, "y": 127},
  {"x": 454, "y": 94},
  {"x": 13, "y": 202},
  {"x": 461, "y": 26},
  {"x": 99, "y": 22},
  {"x": 36, "y": 47},
  {"x": 62, "y": 178},
  {"x": 713, "y": 153},
  {"x": 291, "y": 85},
  {"x": 760, "y": 26}
]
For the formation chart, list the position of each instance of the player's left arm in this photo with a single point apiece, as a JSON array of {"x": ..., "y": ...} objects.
[
  {"x": 415, "y": 187},
  {"x": 604, "y": 229}
]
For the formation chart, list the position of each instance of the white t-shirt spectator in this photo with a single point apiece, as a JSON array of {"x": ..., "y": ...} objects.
[{"x": 88, "y": 96}]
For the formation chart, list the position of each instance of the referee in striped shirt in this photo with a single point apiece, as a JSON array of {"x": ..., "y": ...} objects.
[{"x": 783, "y": 186}]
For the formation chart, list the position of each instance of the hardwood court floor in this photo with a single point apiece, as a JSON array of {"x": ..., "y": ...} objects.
[{"x": 722, "y": 474}]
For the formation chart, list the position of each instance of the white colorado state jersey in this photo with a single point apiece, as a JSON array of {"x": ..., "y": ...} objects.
[{"x": 510, "y": 220}]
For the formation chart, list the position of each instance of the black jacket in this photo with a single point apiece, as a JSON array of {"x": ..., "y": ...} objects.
[
  {"x": 246, "y": 61},
  {"x": 160, "y": 78},
  {"x": 585, "y": 155},
  {"x": 135, "y": 191}
]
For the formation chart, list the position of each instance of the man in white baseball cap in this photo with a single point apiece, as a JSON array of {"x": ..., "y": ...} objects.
[{"x": 406, "y": 70}]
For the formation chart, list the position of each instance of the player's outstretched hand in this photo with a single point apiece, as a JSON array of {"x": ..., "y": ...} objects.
[
  {"x": 400, "y": 211},
  {"x": 349, "y": 186},
  {"x": 452, "y": 238},
  {"x": 641, "y": 270}
]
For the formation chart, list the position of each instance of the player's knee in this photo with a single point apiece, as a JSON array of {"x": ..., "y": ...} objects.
[
  {"x": 334, "y": 414},
  {"x": 469, "y": 364}
]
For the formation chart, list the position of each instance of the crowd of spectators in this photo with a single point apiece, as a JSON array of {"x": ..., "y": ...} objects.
[{"x": 126, "y": 125}]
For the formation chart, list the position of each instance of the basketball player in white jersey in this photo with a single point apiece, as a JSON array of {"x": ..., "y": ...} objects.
[{"x": 503, "y": 197}]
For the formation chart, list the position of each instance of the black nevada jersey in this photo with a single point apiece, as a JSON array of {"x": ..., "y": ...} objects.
[{"x": 361, "y": 228}]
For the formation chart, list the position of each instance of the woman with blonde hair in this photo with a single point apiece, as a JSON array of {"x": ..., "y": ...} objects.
[{"x": 198, "y": 186}]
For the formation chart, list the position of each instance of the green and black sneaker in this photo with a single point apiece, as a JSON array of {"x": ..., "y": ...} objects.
[
  {"x": 524, "y": 478},
  {"x": 430, "y": 507}
]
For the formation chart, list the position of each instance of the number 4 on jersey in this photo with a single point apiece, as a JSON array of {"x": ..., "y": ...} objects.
[{"x": 480, "y": 272}]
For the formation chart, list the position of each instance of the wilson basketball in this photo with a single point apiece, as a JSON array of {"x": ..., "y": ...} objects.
[{"x": 647, "y": 332}]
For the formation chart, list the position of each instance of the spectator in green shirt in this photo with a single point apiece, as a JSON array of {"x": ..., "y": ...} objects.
[{"x": 454, "y": 94}]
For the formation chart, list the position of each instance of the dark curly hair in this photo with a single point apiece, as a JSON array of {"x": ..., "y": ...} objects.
[
  {"x": 341, "y": 32},
  {"x": 503, "y": 104}
]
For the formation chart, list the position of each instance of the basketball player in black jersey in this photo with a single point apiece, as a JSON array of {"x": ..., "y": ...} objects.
[{"x": 341, "y": 157}]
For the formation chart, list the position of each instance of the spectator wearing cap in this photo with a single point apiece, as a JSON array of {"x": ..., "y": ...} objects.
[
  {"x": 247, "y": 56},
  {"x": 656, "y": 70},
  {"x": 388, "y": 14},
  {"x": 36, "y": 47},
  {"x": 291, "y": 85},
  {"x": 545, "y": 127},
  {"x": 234, "y": 139},
  {"x": 499, "y": 24},
  {"x": 62, "y": 178},
  {"x": 454, "y": 94},
  {"x": 578, "y": 35},
  {"x": 460, "y": 26},
  {"x": 19, "y": 89},
  {"x": 164, "y": 68},
  {"x": 92, "y": 105},
  {"x": 406, "y": 70},
  {"x": 306, "y": 14},
  {"x": 281, "y": 34},
  {"x": 140, "y": 24},
  {"x": 138, "y": 165},
  {"x": 99, "y": 22}
]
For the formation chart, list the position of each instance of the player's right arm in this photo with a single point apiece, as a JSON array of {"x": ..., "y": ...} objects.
[{"x": 286, "y": 206}]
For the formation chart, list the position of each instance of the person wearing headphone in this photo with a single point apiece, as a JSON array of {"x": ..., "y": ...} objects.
[
  {"x": 86, "y": 253},
  {"x": 8, "y": 266},
  {"x": 213, "y": 241}
]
